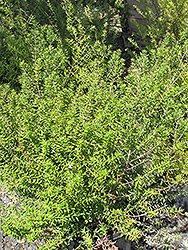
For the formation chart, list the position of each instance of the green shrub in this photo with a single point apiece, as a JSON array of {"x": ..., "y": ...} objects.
[
  {"x": 163, "y": 16},
  {"x": 86, "y": 150}
]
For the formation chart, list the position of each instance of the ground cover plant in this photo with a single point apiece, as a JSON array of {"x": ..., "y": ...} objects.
[{"x": 87, "y": 149}]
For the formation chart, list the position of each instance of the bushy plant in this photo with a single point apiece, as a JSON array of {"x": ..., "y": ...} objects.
[
  {"x": 162, "y": 17},
  {"x": 85, "y": 149}
]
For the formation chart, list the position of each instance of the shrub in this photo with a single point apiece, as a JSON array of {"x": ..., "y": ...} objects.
[
  {"x": 86, "y": 150},
  {"x": 163, "y": 17}
]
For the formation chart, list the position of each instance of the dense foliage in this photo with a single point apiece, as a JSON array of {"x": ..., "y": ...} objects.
[
  {"x": 86, "y": 148},
  {"x": 163, "y": 16}
]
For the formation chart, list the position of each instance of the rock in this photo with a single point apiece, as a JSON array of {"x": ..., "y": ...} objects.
[
  {"x": 123, "y": 244},
  {"x": 26, "y": 246},
  {"x": 12, "y": 241},
  {"x": 7, "y": 248},
  {"x": 186, "y": 214},
  {"x": 1, "y": 239},
  {"x": 19, "y": 246},
  {"x": 7, "y": 241},
  {"x": 185, "y": 242},
  {"x": 32, "y": 247}
]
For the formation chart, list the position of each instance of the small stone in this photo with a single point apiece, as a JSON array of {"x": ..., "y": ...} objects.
[
  {"x": 1, "y": 239},
  {"x": 7, "y": 238},
  {"x": 174, "y": 229},
  {"x": 26, "y": 247},
  {"x": 185, "y": 242},
  {"x": 19, "y": 246},
  {"x": 7, "y": 241},
  {"x": 32, "y": 247},
  {"x": 13, "y": 241},
  {"x": 186, "y": 214},
  {"x": 123, "y": 244},
  {"x": 7, "y": 248}
]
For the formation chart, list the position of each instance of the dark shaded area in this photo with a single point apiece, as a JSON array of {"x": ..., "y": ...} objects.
[{"x": 9, "y": 66}]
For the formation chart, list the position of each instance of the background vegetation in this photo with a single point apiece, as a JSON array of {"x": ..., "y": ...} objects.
[{"x": 87, "y": 149}]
